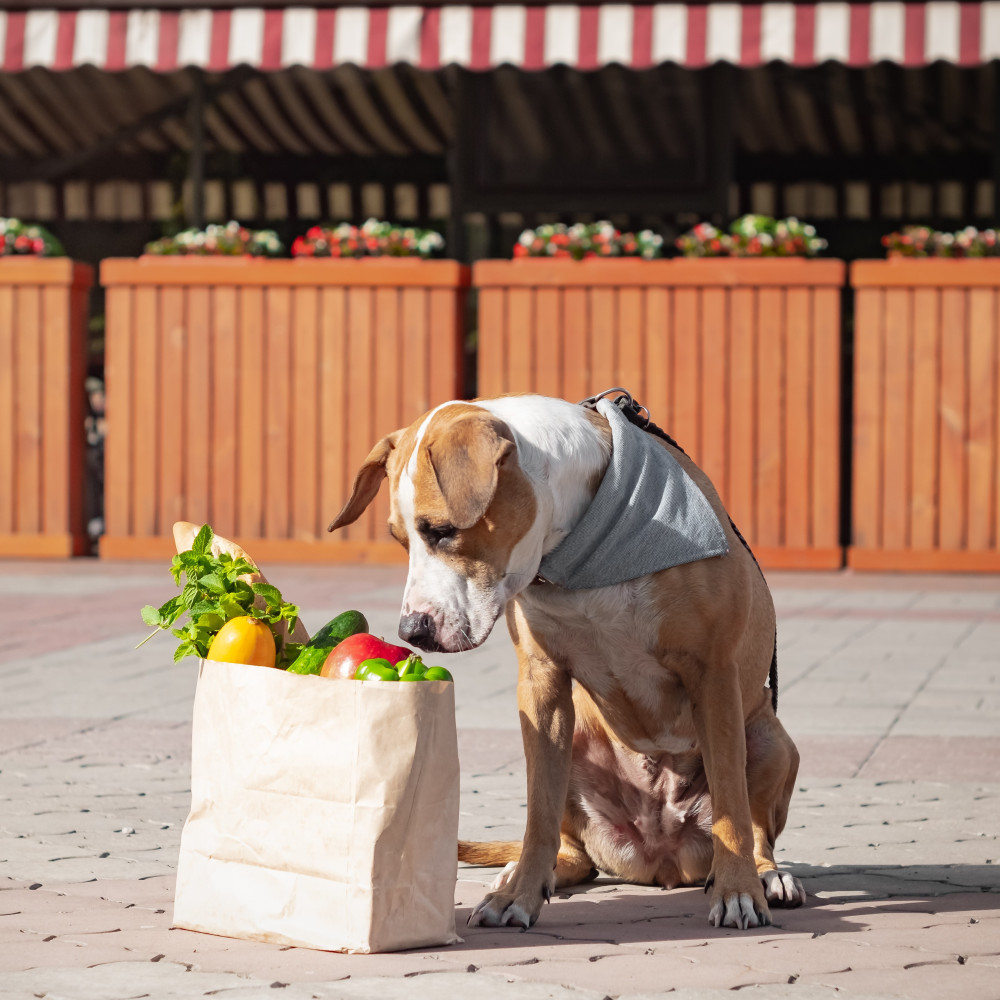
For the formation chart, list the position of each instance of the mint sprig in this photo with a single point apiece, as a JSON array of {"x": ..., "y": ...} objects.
[{"x": 211, "y": 595}]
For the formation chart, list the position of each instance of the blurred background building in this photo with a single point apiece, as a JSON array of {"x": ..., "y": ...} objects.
[{"x": 121, "y": 120}]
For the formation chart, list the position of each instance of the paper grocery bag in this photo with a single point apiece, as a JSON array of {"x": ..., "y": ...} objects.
[{"x": 324, "y": 812}]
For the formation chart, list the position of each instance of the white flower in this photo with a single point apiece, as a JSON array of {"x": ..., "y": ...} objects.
[{"x": 526, "y": 238}]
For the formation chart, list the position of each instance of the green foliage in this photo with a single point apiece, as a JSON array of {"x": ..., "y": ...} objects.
[{"x": 211, "y": 595}]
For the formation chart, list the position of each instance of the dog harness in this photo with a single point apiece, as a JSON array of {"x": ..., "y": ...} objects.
[{"x": 647, "y": 515}]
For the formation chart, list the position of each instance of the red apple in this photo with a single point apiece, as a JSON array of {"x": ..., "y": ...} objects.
[{"x": 346, "y": 656}]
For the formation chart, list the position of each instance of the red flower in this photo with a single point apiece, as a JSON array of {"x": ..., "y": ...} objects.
[{"x": 520, "y": 250}]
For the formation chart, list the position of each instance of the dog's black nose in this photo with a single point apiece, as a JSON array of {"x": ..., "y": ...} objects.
[{"x": 418, "y": 629}]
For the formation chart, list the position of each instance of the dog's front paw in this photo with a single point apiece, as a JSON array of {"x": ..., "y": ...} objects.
[
  {"x": 515, "y": 902},
  {"x": 781, "y": 889},
  {"x": 733, "y": 908}
]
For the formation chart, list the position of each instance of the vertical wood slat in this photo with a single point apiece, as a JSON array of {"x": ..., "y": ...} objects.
[
  {"x": 685, "y": 425},
  {"x": 118, "y": 411},
  {"x": 578, "y": 376},
  {"x": 303, "y": 446},
  {"x": 704, "y": 345},
  {"x": 43, "y": 320},
  {"x": 713, "y": 388},
  {"x": 925, "y": 440},
  {"x": 55, "y": 416},
  {"x": 171, "y": 409},
  {"x": 942, "y": 327},
  {"x": 197, "y": 413},
  {"x": 867, "y": 453},
  {"x": 981, "y": 497},
  {"x": 797, "y": 419},
  {"x": 741, "y": 446},
  {"x": 602, "y": 342},
  {"x": 252, "y": 408},
  {"x": 146, "y": 441},
  {"x": 519, "y": 367},
  {"x": 28, "y": 437},
  {"x": 335, "y": 476},
  {"x": 954, "y": 420},
  {"x": 290, "y": 371},
  {"x": 770, "y": 418},
  {"x": 826, "y": 418},
  {"x": 547, "y": 375},
  {"x": 630, "y": 368},
  {"x": 387, "y": 413},
  {"x": 896, "y": 365},
  {"x": 491, "y": 341},
  {"x": 224, "y": 407},
  {"x": 8, "y": 410}
]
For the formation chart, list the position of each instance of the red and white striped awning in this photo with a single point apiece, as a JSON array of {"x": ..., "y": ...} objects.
[{"x": 481, "y": 38}]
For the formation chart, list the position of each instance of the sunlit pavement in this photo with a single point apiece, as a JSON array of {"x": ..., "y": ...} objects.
[{"x": 889, "y": 686}]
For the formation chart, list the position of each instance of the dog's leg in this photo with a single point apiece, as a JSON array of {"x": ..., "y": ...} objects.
[
  {"x": 737, "y": 896},
  {"x": 772, "y": 765},
  {"x": 545, "y": 701}
]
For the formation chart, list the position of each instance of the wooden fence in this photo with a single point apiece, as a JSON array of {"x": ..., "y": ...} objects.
[
  {"x": 926, "y": 418},
  {"x": 43, "y": 356},
  {"x": 246, "y": 393},
  {"x": 738, "y": 359}
]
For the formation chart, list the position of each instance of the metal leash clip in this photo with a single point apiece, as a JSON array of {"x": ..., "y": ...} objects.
[{"x": 624, "y": 402}]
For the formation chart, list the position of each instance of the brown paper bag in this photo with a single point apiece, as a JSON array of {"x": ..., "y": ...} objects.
[{"x": 324, "y": 813}]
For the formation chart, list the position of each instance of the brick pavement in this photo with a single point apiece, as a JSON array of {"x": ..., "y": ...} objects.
[{"x": 890, "y": 686}]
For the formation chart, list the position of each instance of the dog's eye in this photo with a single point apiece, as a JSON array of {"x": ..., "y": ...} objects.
[{"x": 435, "y": 534}]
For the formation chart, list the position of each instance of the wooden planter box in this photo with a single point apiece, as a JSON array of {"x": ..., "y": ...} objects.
[
  {"x": 246, "y": 393},
  {"x": 926, "y": 417},
  {"x": 43, "y": 359},
  {"x": 739, "y": 360}
]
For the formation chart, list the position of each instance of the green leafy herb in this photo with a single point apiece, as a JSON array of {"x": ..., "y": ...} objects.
[{"x": 213, "y": 593}]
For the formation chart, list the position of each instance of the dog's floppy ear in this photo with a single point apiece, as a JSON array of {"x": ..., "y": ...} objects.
[
  {"x": 366, "y": 482},
  {"x": 467, "y": 463}
]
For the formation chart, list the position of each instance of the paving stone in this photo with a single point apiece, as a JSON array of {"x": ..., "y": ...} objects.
[{"x": 889, "y": 683}]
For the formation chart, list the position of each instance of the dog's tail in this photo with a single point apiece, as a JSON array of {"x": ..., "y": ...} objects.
[{"x": 492, "y": 854}]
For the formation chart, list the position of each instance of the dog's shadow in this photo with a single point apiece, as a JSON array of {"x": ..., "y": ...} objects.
[{"x": 842, "y": 899}]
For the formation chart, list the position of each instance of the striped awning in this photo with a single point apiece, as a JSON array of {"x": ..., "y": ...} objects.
[{"x": 484, "y": 37}]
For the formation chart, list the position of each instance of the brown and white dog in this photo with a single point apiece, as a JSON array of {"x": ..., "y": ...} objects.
[{"x": 665, "y": 763}]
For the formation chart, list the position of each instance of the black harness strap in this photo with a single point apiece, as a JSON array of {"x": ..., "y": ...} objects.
[{"x": 633, "y": 412}]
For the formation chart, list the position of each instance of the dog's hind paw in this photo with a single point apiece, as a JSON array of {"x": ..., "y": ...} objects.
[
  {"x": 781, "y": 889},
  {"x": 737, "y": 911}
]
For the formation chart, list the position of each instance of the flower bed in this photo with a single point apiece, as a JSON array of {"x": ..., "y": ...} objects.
[
  {"x": 22, "y": 239},
  {"x": 752, "y": 236},
  {"x": 922, "y": 241},
  {"x": 738, "y": 359},
  {"x": 230, "y": 240},
  {"x": 246, "y": 393},
  {"x": 372, "y": 239},
  {"x": 43, "y": 353},
  {"x": 587, "y": 240}
]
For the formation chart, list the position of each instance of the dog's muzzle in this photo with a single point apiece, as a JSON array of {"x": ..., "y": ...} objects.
[{"x": 419, "y": 630}]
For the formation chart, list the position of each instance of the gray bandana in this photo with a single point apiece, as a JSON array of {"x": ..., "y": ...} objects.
[{"x": 647, "y": 515}]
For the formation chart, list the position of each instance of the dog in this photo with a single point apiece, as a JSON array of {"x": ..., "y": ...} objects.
[{"x": 652, "y": 746}]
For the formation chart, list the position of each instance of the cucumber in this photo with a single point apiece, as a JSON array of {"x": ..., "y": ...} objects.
[
  {"x": 309, "y": 661},
  {"x": 316, "y": 650},
  {"x": 345, "y": 624}
]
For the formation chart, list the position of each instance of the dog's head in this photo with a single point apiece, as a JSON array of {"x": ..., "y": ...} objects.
[{"x": 463, "y": 508}]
